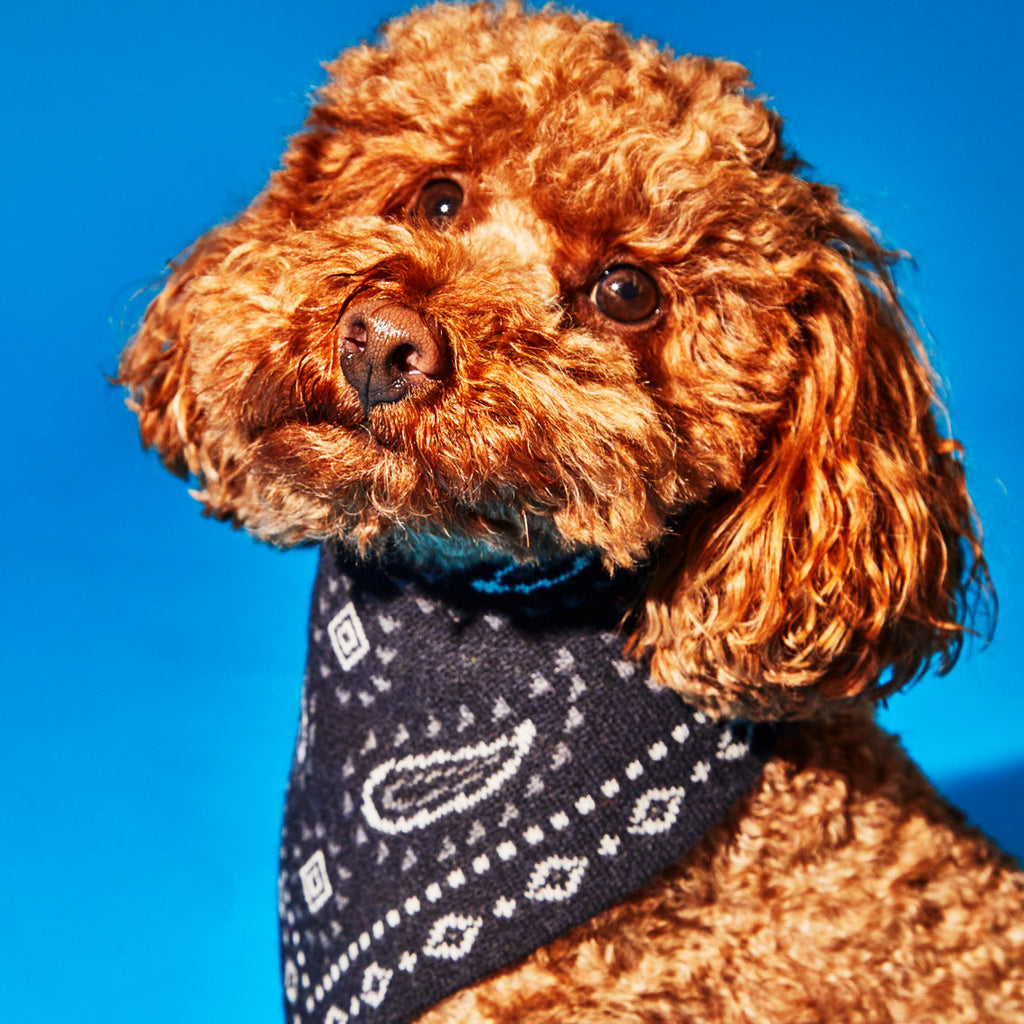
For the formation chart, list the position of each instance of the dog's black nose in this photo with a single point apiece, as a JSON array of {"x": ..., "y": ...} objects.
[{"x": 388, "y": 350}]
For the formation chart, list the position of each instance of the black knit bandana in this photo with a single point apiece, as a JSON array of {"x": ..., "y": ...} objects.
[{"x": 478, "y": 770}]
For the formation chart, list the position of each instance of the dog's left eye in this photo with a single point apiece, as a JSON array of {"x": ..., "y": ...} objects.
[
  {"x": 439, "y": 202},
  {"x": 626, "y": 293}
]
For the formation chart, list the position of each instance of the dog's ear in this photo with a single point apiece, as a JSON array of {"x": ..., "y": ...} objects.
[
  {"x": 153, "y": 368},
  {"x": 846, "y": 559},
  {"x": 157, "y": 365}
]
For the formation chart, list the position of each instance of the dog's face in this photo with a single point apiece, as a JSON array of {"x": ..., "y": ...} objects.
[
  {"x": 535, "y": 218},
  {"x": 524, "y": 282}
]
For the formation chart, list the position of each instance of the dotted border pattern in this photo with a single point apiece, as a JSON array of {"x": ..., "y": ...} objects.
[{"x": 376, "y": 979}]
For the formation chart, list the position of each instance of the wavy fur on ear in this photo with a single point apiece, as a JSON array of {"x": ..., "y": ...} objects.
[
  {"x": 152, "y": 368},
  {"x": 847, "y": 558},
  {"x": 158, "y": 365}
]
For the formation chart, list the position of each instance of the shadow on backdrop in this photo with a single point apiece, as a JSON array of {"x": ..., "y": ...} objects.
[{"x": 991, "y": 801}]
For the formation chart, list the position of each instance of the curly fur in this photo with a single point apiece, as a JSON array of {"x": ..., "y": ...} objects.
[
  {"x": 843, "y": 890},
  {"x": 766, "y": 442}
]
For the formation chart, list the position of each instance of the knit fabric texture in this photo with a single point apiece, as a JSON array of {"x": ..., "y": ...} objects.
[{"x": 478, "y": 770}]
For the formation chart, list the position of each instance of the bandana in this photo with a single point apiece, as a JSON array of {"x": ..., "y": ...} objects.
[{"x": 478, "y": 770}]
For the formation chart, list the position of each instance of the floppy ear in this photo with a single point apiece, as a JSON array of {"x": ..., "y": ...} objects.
[
  {"x": 844, "y": 561},
  {"x": 158, "y": 366},
  {"x": 224, "y": 353},
  {"x": 154, "y": 367}
]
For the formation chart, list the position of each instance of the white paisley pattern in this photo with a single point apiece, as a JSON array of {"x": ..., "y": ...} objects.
[{"x": 403, "y": 795}]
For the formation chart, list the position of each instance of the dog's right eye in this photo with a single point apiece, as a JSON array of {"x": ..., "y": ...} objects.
[
  {"x": 439, "y": 202},
  {"x": 626, "y": 293}
]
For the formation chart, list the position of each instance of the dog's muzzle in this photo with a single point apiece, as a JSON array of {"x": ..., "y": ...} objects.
[{"x": 388, "y": 350}]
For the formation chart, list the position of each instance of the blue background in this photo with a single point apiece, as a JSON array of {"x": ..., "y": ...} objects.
[{"x": 151, "y": 659}]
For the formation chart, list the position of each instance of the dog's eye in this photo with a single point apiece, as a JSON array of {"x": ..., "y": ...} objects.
[
  {"x": 439, "y": 202},
  {"x": 627, "y": 294}
]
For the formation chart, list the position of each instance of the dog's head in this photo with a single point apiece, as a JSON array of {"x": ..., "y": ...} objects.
[{"x": 524, "y": 282}]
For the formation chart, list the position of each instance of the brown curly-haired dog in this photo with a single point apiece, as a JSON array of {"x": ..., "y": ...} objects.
[{"x": 522, "y": 282}]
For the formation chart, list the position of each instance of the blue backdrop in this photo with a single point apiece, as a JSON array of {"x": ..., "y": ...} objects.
[{"x": 151, "y": 660}]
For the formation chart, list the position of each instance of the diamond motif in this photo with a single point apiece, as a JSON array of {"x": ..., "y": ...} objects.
[
  {"x": 556, "y": 879},
  {"x": 656, "y": 811},
  {"x": 316, "y": 885},
  {"x": 452, "y": 936},
  {"x": 347, "y": 637},
  {"x": 375, "y": 984}
]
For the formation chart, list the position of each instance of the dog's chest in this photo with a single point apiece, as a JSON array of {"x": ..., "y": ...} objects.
[{"x": 478, "y": 770}]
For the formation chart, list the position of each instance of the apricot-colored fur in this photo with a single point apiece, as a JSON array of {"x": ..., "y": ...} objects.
[{"x": 765, "y": 441}]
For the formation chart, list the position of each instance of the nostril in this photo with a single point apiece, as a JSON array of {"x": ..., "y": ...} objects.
[
  {"x": 404, "y": 359},
  {"x": 353, "y": 335},
  {"x": 420, "y": 358}
]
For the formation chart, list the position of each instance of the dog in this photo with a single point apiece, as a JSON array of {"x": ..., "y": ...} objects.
[{"x": 587, "y": 392}]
